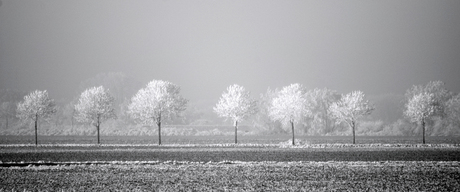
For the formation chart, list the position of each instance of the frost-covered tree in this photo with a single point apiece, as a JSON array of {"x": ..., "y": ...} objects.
[
  {"x": 8, "y": 105},
  {"x": 120, "y": 86},
  {"x": 320, "y": 101},
  {"x": 95, "y": 106},
  {"x": 421, "y": 107},
  {"x": 158, "y": 101},
  {"x": 6, "y": 111},
  {"x": 36, "y": 105},
  {"x": 236, "y": 104},
  {"x": 290, "y": 106},
  {"x": 350, "y": 108},
  {"x": 262, "y": 119},
  {"x": 453, "y": 112},
  {"x": 69, "y": 112},
  {"x": 439, "y": 93}
]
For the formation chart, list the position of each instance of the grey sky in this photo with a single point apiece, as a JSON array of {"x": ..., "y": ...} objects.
[{"x": 204, "y": 46}]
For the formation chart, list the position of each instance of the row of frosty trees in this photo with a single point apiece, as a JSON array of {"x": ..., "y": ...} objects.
[{"x": 161, "y": 100}]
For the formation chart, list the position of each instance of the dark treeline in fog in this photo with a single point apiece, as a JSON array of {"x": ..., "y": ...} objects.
[{"x": 390, "y": 115}]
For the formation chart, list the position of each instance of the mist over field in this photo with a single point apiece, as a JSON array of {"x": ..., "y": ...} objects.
[{"x": 387, "y": 119}]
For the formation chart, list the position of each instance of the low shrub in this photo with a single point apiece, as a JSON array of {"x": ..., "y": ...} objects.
[{"x": 297, "y": 142}]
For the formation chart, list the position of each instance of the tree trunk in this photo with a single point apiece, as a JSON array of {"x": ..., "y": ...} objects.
[
  {"x": 353, "y": 125},
  {"x": 159, "y": 128},
  {"x": 72, "y": 118},
  {"x": 236, "y": 129},
  {"x": 98, "y": 124},
  {"x": 423, "y": 129},
  {"x": 327, "y": 126},
  {"x": 159, "y": 133},
  {"x": 36, "y": 132},
  {"x": 98, "y": 138},
  {"x": 293, "y": 139}
]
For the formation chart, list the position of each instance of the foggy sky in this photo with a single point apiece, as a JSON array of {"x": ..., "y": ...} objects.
[{"x": 203, "y": 46}]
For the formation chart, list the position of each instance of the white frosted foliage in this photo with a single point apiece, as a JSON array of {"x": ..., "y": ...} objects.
[
  {"x": 236, "y": 104},
  {"x": 95, "y": 105},
  {"x": 290, "y": 105},
  {"x": 159, "y": 100},
  {"x": 351, "y": 107},
  {"x": 36, "y": 105},
  {"x": 420, "y": 107}
]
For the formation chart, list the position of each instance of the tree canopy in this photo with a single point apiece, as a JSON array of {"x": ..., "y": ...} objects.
[
  {"x": 236, "y": 104},
  {"x": 420, "y": 107}
]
